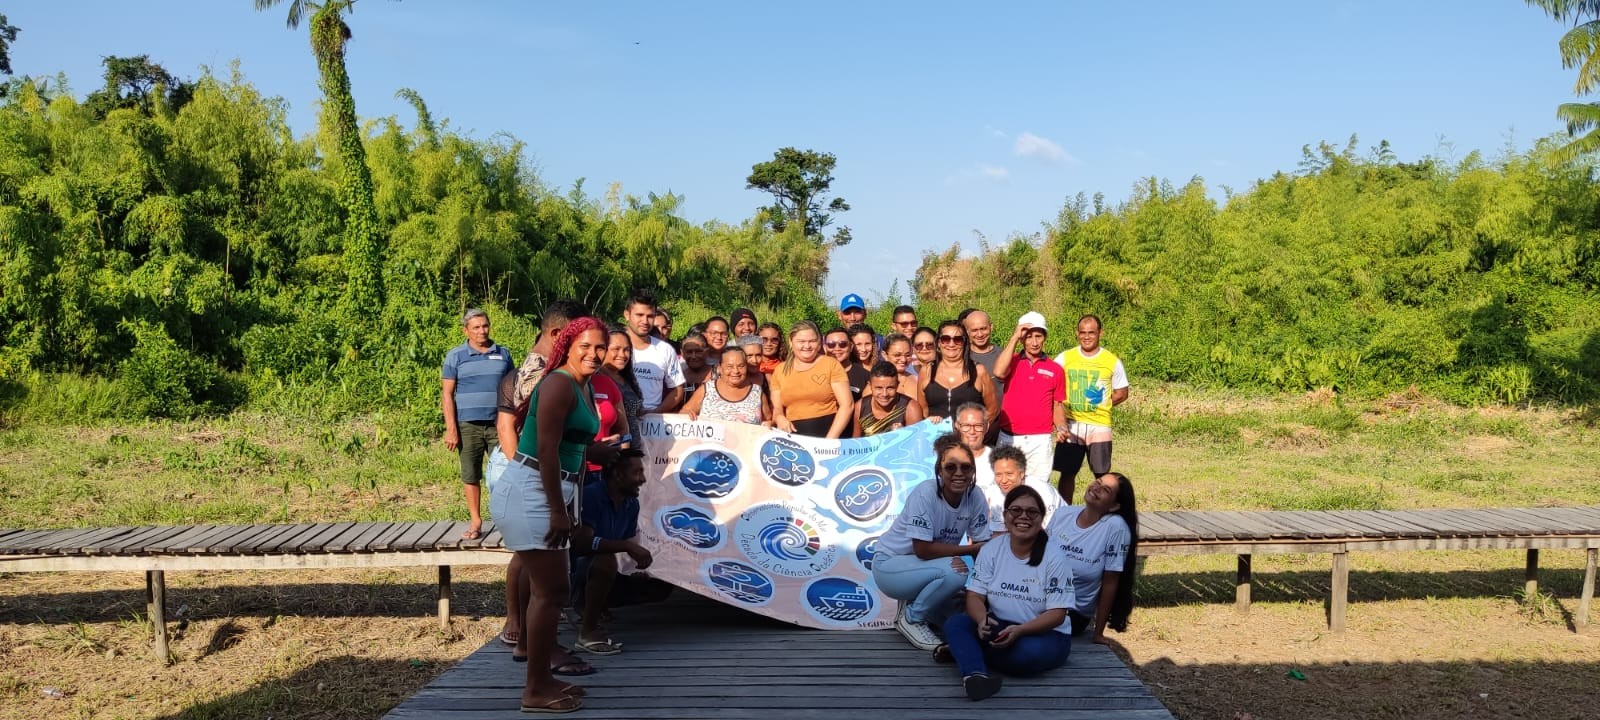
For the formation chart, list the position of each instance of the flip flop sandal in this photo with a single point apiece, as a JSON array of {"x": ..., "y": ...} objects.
[
  {"x": 574, "y": 691},
  {"x": 571, "y": 668},
  {"x": 598, "y": 647},
  {"x": 507, "y": 638},
  {"x": 943, "y": 655},
  {"x": 563, "y": 704}
]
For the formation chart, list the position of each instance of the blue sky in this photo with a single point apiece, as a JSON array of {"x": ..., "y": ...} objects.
[{"x": 948, "y": 119}]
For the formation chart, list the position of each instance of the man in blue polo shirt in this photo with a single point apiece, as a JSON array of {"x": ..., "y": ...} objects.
[{"x": 472, "y": 372}]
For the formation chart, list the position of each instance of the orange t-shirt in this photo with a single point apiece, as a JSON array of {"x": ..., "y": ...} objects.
[{"x": 809, "y": 394}]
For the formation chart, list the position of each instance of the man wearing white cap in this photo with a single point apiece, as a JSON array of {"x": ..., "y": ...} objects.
[{"x": 1032, "y": 416}]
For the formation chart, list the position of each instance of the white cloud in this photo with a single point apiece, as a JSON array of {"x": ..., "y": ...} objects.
[
  {"x": 995, "y": 132},
  {"x": 1034, "y": 146},
  {"x": 994, "y": 172}
]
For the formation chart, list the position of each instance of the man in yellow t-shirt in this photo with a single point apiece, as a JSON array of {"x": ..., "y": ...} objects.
[{"x": 1096, "y": 382}]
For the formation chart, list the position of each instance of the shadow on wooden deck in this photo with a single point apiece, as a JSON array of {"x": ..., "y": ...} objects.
[{"x": 690, "y": 657}]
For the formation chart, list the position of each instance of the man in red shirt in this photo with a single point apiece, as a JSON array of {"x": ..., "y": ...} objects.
[{"x": 1032, "y": 416}]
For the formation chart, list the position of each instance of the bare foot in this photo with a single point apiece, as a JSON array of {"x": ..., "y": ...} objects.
[{"x": 474, "y": 531}]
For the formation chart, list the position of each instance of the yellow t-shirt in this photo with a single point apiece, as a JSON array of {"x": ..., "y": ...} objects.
[
  {"x": 1090, "y": 382},
  {"x": 809, "y": 394}
]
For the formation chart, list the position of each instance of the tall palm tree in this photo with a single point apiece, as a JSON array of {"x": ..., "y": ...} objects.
[
  {"x": 1580, "y": 48},
  {"x": 363, "y": 251}
]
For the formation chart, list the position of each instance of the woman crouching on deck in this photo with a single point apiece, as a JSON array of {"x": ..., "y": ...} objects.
[{"x": 1017, "y": 601}]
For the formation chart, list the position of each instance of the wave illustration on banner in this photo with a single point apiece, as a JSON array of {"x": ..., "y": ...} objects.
[{"x": 779, "y": 524}]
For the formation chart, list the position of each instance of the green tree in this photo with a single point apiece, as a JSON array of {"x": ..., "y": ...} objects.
[
  {"x": 363, "y": 249},
  {"x": 8, "y": 35},
  {"x": 137, "y": 83},
  {"x": 1579, "y": 48},
  {"x": 798, "y": 181}
]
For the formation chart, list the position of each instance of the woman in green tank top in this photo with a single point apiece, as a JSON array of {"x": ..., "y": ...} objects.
[{"x": 534, "y": 504}]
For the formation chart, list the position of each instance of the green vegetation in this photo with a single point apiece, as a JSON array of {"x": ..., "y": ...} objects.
[{"x": 1474, "y": 280}]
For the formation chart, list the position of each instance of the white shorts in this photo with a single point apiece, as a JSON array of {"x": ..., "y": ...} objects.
[
  {"x": 521, "y": 510},
  {"x": 1040, "y": 451},
  {"x": 1082, "y": 433}
]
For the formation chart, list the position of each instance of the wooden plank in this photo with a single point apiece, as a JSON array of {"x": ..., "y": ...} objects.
[
  {"x": 263, "y": 541},
  {"x": 66, "y": 538},
  {"x": 134, "y": 544},
  {"x": 1396, "y": 520},
  {"x": 1561, "y": 523},
  {"x": 1518, "y": 524},
  {"x": 313, "y": 542},
  {"x": 245, "y": 538},
  {"x": 333, "y": 543},
  {"x": 168, "y": 542},
  {"x": 1248, "y": 522},
  {"x": 360, "y": 543},
  {"x": 103, "y": 545},
  {"x": 1340, "y": 593},
  {"x": 438, "y": 532},
  {"x": 1279, "y": 530},
  {"x": 1371, "y": 526},
  {"x": 222, "y": 534},
  {"x": 1157, "y": 525},
  {"x": 959, "y": 709},
  {"x": 28, "y": 543},
  {"x": 1298, "y": 529},
  {"x": 1221, "y": 527},
  {"x": 1337, "y": 527},
  {"x": 408, "y": 541},
  {"x": 1192, "y": 525},
  {"x": 1464, "y": 523},
  {"x": 90, "y": 539},
  {"x": 385, "y": 540},
  {"x": 290, "y": 542},
  {"x": 356, "y": 537},
  {"x": 1586, "y": 595}
]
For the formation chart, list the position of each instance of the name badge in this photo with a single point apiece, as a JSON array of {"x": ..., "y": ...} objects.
[{"x": 1046, "y": 373}]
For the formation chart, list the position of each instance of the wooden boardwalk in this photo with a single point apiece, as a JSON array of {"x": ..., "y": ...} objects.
[{"x": 690, "y": 657}]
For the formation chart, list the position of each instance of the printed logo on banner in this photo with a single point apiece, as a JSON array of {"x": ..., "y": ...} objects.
[
  {"x": 865, "y": 550},
  {"x": 864, "y": 493},
  {"x": 691, "y": 527},
  {"x": 739, "y": 581},
  {"x": 786, "y": 540},
  {"x": 838, "y": 601},
  {"x": 709, "y": 473},
  {"x": 784, "y": 461}
]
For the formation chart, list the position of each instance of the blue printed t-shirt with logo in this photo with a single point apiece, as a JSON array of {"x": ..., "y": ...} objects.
[
  {"x": 928, "y": 517},
  {"x": 1090, "y": 551},
  {"x": 477, "y": 376},
  {"x": 1019, "y": 592}
]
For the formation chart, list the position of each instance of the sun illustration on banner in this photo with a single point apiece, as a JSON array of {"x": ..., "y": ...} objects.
[
  {"x": 838, "y": 601},
  {"x": 691, "y": 527},
  {"x": 787, "y": 540},
  {"x": 786, "y": 462},
  {"x": 864, "y": 494},
  {"x": 739, "y": 581},
  {"x": 709, "y": 473}
]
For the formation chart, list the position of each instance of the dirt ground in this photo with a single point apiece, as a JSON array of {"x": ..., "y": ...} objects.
[{"x": 1431, "y": 635}]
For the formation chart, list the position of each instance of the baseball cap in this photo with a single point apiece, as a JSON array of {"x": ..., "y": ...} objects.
[
  {"x": 1032, "y": 318},
  {"x": 851, "y": 301}
]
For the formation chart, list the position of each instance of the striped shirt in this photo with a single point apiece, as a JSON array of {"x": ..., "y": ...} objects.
[{"x": 477, "y": 376}]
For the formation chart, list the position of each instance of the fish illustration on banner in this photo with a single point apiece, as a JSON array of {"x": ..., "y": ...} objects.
[{"x": 779, "y": 524}]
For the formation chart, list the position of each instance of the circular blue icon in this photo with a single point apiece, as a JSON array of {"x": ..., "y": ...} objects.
[
  {"x": 691, "y": 527},
  {"x": 864, "y": 494},
  {"x": 839, "y": 601},
  {"x": 785, "y": 461},
  {"x": 709, "y": 474},
  {"x": 740, "y": 582},
  {"x": 865, "y": 550}
]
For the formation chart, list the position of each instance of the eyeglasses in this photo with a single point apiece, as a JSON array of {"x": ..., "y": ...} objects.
[
  {"x": 971, "y": 427},
  {"x": 952, "y": 339},
  {"x": 958, "y": 468},
  {"x": 922, "y": 345},
  {"x": 714, "y": 333},
  {"x": 1022, "y": 512},
  {"x": 837, "y": 343}
]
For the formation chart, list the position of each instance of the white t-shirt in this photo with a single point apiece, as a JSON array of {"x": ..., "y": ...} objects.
[
  {"x": 657, "y": 369},
  {"x": 1090, "y": 551},
  {"x": 1018, "y": 592},
  {"x": 928, "y": 517},
  {"x": 997, "y": 502}
]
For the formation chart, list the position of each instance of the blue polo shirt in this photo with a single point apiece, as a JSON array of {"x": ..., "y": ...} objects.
[
  {"x": 609, "y": 521},
  {"x": 477, "y": 376}
]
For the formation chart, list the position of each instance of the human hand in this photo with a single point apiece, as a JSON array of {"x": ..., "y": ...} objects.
[
  {"x": 1021, "y": 330},
  {"x": 985, "y": 626},
  {"x": 784, "y": 424},
  {"x": 452, "y": 438},
  {"x": 958, "y": 566},
  {"x": 1005, "y": 637},
  {"x": 560, "y": 529},
  {"x": 602, "y": 453},
  {"x": 641, "y": 557},
  {"x": 583, "y": 538}
]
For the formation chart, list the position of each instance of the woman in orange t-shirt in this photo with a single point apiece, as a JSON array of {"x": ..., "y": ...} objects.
[{"x": 810, "y": 393}]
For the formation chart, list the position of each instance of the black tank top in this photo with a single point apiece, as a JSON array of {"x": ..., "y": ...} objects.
[{"x": 943, "y": 401}]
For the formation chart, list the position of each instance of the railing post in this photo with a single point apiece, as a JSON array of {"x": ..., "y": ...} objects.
[
  {"x": 1340, "y": 594},
  {"x": 444, "y": 596},
  {"x": 1530, "y": 577},
  {"x": 1241, "y": 585},
  {"x": 155, "y": 599},
  {"x": 1588, "y": 588}
]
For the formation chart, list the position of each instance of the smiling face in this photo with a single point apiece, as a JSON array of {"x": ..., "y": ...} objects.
[
  {"x": 956, "y": 472},
  {"x": 865, "y": 347},
  {"x": 618, "y": 352},
  {"x": 899, "y": 353},
  {"x": 629, "y": 476},
  {"x": 884, "y": 390},
  {"x": 640, "y": 318},
  {"x": 952, "y": 343},
  {"x": 1024, "y": 518},
  {"x": 745, "y": 326},
  {"x": 904, "y": 323},
  {"x": 1089, "y": 335},
  {"x": 925, "y": 345},
  {"x": 1007, "y": 474},
  {"x": 837, "y": 345},
  {"x": 587, "y": 353},
  {"x": 771, "y": 343},
  {"x": 851, "y": 316},
  {"x": 972, "y": 425},
  {"x": 1102, "y": 494},
  {"x": 717, "y": 334},
  {"x": 806, "y": 345},
  {"x": 978, "y": 329},
  {"x": 694, "y": 354},
  {"x": 735, "y": 366}
]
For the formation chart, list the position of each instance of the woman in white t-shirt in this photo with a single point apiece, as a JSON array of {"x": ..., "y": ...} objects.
[
  {"x": 1100, "y": 538},
  {"x": 919, "y": 560},
  {"x": 1017, "y": 602}
]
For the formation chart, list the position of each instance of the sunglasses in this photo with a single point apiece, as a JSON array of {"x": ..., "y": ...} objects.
[
  {"x": 923, "y": 345},
  {"x": 1021, "y": 512},
  {"x": 952, "y": 339},
  {"x": 837, "y": 343},
  {"x": 958, "y": 468}
]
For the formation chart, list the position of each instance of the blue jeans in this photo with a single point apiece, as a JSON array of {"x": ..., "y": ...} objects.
[
  {"x": 1027, "y": 655},
  {"x": 926, "y": 585}
]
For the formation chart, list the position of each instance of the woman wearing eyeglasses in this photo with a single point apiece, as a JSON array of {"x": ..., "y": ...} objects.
[
  {"x": 953, "y": 379},
  {"x": 924, "y": 348},
  {"x": 897, "y": 350},
  {"x": 1017, "y": 602},
  {"x": 836, "y": 343},
  {"x": 919, "y": 560},
  {"x": 772, "y": 352},
  {"x": 1100, "y": 538}
]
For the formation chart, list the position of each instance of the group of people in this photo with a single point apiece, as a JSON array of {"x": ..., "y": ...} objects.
[{"x": 565, "y": 473}]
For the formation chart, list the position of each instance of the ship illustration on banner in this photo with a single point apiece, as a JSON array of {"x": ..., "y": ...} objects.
[{"x": 779, "y": 524}]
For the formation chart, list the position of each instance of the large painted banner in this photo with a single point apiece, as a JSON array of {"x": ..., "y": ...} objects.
[{"x": 779, "y": 524}]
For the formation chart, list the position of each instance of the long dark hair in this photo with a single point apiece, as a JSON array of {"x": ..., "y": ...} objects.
[
  {"x": 1041, "y": 542},
  {"x": 627, "y": 370},
  {"x": 1127, "y": 508},
  {"x": 966, "y": 358}
]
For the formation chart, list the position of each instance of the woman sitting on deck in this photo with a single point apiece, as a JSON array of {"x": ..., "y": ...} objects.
[
  {"x": 919, "y": 560},
  {"x": 1017, "y": 601},
  {"x": 1100, "y": 538}
]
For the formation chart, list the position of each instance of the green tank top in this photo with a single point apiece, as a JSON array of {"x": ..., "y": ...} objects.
[{"x": 582, "y": 425}]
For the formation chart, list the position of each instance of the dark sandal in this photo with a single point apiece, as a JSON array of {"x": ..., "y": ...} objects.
[
  {"x": 942, "y": 654},
  {"x": 980, "y": 686}
]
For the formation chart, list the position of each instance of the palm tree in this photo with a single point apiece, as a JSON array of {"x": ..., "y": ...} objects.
[
  {"x": 363, "y": 253},
  {"x": 1579, "y": 49}
]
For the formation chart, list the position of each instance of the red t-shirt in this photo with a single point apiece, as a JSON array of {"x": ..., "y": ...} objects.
[
  {"x": 1033, "y": 387},
  {"x": 608, "y": 401}
]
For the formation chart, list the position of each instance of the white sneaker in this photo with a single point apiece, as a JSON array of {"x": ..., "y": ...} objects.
[{"x": 919, "y": 633}]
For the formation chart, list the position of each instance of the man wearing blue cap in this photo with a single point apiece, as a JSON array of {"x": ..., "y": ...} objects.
[{"x": 851, "y": 310}]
